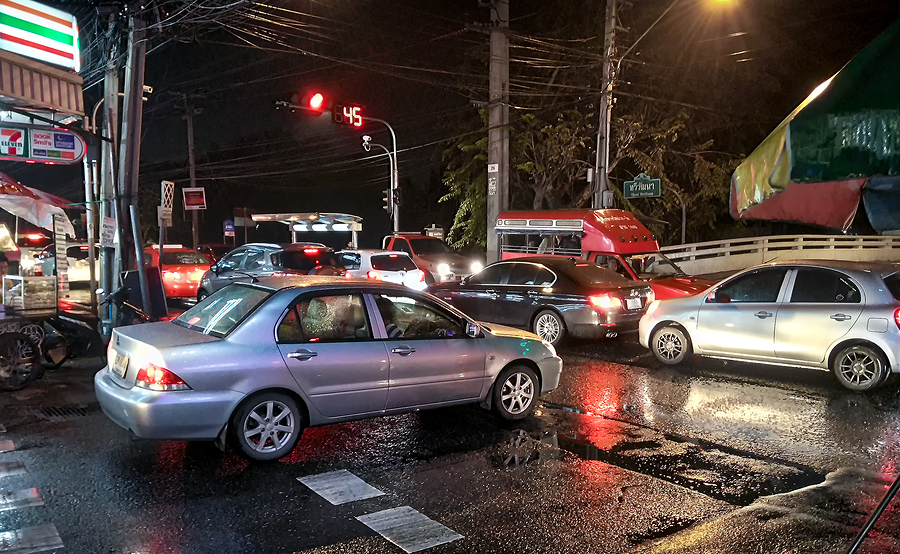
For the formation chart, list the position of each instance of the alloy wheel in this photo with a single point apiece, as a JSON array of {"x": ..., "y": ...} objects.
[
  {"x": 517, "y": 393},
  {"x": 269, "y": 426},
  {"x": 548, "y": 327}
]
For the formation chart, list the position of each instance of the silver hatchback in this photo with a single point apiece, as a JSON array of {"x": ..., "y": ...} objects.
[
  {"x": 254, "y": 364},
  {"x": 837, "y": 315}
]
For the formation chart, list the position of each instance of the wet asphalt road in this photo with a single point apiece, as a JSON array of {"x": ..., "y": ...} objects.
[{"x": 626, "y": 456}]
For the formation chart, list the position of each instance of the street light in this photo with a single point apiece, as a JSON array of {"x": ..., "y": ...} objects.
[{"x": 601, "y": 164}]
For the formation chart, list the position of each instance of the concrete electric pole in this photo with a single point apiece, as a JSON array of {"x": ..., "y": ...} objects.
[
  {"x": 498, "y": 124},
  {"x": 601, "y": 165}
]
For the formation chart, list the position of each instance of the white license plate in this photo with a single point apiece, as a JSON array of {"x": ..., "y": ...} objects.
[
  {"x": 121, "y": 365},
  {"x": 633, "y": 303}
]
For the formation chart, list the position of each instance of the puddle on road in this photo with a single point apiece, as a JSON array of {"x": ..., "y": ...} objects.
[{"x": 721, "y": 472}]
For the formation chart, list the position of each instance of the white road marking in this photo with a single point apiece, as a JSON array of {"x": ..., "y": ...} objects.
[
  {"x": 7, "y": 446},
  {"x": 30, "y": 539},
  {"x": 339, "y": 487},
  {"x": 409, "y": 529},
  {"x": 11, "y": 468},
  {"x": 24, "y": 498}
]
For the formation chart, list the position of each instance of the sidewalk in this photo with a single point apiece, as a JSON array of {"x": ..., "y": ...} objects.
[{"x": 819, "y": 519}]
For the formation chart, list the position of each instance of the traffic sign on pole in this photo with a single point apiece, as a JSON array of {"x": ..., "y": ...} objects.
[{"x": 642, "y": 187}]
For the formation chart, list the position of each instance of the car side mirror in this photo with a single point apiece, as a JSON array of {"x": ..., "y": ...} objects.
[
  {"x": 718, "y": 297},
  {"x": 215, "y": 269},
  {"x": 473, "y": 330}
]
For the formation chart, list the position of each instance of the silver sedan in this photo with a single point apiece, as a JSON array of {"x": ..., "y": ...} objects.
[
  {"x": 836, "y": 315},
  {"x": 254, "y": 364}
]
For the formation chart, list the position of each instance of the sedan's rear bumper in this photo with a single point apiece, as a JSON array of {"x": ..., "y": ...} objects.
[
  {"x": 176, "y": 415},
  {"x": 603, "y": 325}
]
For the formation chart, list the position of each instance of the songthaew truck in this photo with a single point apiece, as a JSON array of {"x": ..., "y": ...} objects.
[{"x": 612, "y": 238}]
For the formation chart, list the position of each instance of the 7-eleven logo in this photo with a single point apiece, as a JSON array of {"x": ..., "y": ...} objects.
[{"x": 12, "y": 142}]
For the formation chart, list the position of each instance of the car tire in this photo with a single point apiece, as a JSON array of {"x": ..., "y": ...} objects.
[
  {"x": 671, "y": 345},
  {"x": 253, "y": 426},
  {"x": 860, "y": 368},
  {"x": 201, "y": 295},
  {"x": 515, "y": 392},
  {"x": 550, "y": 326}
]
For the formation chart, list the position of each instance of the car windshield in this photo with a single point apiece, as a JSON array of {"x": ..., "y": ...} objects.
[
  {"x": 306, "y": 259},
  {"x": 184, "y": 258},
  {"x": 221, "y": 313},
  {"x": 654, "y": 264},
  {"x": 425, "y": 247},
  {"x": 392, "y": 262},
  {"x": 588, "y": 273}
]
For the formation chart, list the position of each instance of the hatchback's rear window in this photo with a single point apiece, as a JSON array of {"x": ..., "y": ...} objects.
[
  {"x": 222, "y": 312},
  {"x": 392, "y": 262},
  {"x": 184, "y": 258},
  {"x": 307, "y": 259},
  {"x": 589, "y": 273},
  {"x": 893, "y": 285}
]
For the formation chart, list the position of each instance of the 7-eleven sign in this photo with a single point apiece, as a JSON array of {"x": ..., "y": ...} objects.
[{"x": 12, "y": 142}]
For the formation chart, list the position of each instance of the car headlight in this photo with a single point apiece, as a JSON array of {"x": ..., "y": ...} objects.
[
  {"x": 476, "y": 267},
  {"x": 549, "y": 347},
  {"x": 443, "y": 269}
]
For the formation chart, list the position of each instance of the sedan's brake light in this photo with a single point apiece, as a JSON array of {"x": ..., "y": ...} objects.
[
  {"x": 605, "y": 301},
  {"x": 651, "y": 297},
  {"x": 154, "y": 377},
  {"x": 374, "y": 275},
  {"x": 897, "y": 317},
  {"x": 171, "y": 275},
  {"x": 310, "y": 250}
]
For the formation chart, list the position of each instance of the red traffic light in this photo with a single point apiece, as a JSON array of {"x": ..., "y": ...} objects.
[{"x": 316, "y": 101}]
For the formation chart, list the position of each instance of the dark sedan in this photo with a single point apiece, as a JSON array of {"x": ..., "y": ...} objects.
[{"x": 552, "y": 296}]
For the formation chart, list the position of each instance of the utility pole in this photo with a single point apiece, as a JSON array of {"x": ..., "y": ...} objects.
[
  {"x": 129, "y": 159},
  {"x": 192, "y": 166},
  {"x": 109, "y": 268},
  {"x": 601, "y": 165},
  {"x": 498, "y": 124}
]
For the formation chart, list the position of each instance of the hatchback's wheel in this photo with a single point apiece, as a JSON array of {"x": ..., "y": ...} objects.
[
  {"x": 20, "y": 361},
  {"x": 860, "y": 368},
  {"x": 267, "y": 426},
  {"x": 515, "y": 392},
  {"x": 549, "y": 326},
  {"x": 201, "y": 294},
  {"x": 671, "y": 345}
]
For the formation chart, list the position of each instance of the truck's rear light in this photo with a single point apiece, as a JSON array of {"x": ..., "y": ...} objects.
[
  {"x": 154, "y": 377},
  {"x": 605, "y": 301},
  {"x": 651, "y": 297},
  {"x": 374, "y": 275},
  {"x": 420, "y": 275}
]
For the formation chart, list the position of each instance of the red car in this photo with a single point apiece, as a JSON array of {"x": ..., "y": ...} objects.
[{"x": 182, "y": 269}]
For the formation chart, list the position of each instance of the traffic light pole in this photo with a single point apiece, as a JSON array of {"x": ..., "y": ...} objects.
[
  {"x": 395, "y": 174},
  {"x": 389, "y": 206}
]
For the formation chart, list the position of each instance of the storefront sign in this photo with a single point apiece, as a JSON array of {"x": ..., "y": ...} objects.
[
  {"x": 57, "y": 146},
  {"x": 194, "y": 198},
  {"x": 39, "y": 32}
]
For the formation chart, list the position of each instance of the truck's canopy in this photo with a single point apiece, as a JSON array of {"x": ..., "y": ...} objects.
[
  {"x": 840, "y": 146},
  {"x": 599, "y": 230}
]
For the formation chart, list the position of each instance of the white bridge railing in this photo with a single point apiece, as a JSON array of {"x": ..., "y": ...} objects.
[{"x": 734, "y": 254}]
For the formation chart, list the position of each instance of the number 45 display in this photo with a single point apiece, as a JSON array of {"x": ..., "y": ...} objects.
[{"x": 348, "y": 115}]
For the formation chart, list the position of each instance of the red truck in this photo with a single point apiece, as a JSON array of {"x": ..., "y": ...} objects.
[{"x": 612, "y": 238}]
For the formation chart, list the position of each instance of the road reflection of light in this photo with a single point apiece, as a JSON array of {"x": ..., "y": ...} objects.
[{"x": 169, "y": 468}]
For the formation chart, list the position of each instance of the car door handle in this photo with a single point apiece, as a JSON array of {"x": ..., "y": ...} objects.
[
  {"x": 403, "y": 350},
  {"x": 841, "y": 317},
  {"x": 763, "y": 315},
  {"x": 492, "y": 293},
  {"x": 302, "y": 354}
]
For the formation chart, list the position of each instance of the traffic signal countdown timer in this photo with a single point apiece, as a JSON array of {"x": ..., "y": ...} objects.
[{"x": 348, "y": 114}]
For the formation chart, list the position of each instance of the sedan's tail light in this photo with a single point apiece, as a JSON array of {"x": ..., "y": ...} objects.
[
  {"x": 651, "y": 297},
  {"x": 897, "y": 317},
  {"x": 374, "y": 275},
  {"x": 172, "y": 276},
  {"x": 605, "y": 301},
  {"x": 154, "y": 377}
]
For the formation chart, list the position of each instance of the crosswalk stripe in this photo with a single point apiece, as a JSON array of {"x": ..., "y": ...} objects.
[
  {"x": 410, "y": 530},
  {"x": 7, "y": 446},
  {"x": 339, "y": 487},
  {"x": 11, "y": 468},
  {"x": 30, "y": 539},
  {"x": 25, "y": 498}
]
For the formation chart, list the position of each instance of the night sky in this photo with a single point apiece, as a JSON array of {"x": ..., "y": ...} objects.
[{"x": 414, "y": 64}]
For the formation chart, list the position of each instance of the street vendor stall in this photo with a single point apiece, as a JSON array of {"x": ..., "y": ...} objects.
[{"x": 28, "y": 300}]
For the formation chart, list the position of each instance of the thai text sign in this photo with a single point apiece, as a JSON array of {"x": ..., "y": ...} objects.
[{"x": 642, "y": 187}]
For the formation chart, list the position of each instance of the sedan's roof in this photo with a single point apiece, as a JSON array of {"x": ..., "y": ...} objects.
[
  {"x": 281, "y": 282},
  {"x": 846, "y": 265}
]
